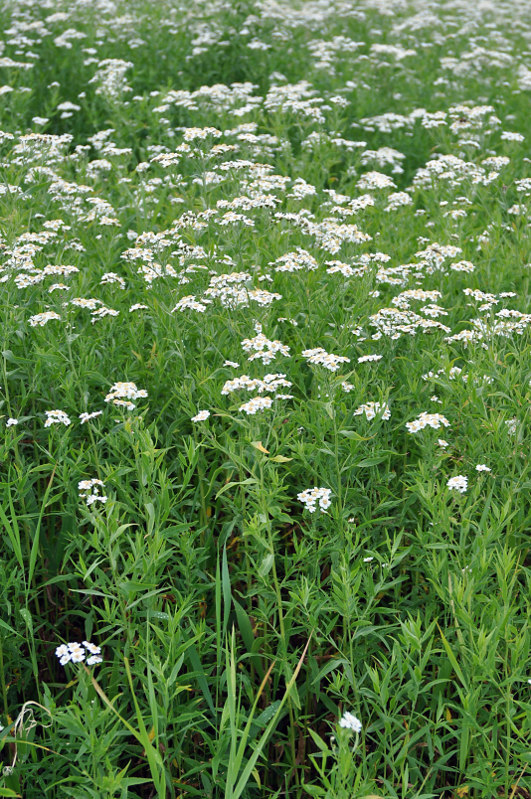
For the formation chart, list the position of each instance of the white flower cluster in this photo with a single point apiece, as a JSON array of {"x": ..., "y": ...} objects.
[
  {"x": 295, "y": 261},
  {"x": 191, "y": 303},
  {"x": 89, "y": 490},
  {"x": 256, "y": 404},
  {"x": 263, "y": 348},
  {"x": 370, "y": 181},
  {"x": 76, "y": 653},
  {"x": 110, "y": 78},
  {"x": 56, "y": 417},
  {"x": 369, "y": 358},
  {"x": 201, "y": 416},
  {"x": 311, "y": 496},
  {"x": 232, "y": 291},
  {"x": 85, "y": 417},
  {"x": 462, "y": 266},
  {"x": 320, "y": 357},
  {"x": 373, "y": 409},
  {"x": 269, "y": 382},
  {"x": 458, "y": 483},
  {"x": 40, "y": 319},
  {"x": 424, "y": 419},
  {"x": 121, "y": 394},
  {"x": 350, "y": 722}
]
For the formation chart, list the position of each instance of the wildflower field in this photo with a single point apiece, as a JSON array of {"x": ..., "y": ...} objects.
[{"x": 264, "y": 401}]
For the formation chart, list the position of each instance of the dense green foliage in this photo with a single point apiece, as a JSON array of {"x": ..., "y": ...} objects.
[{"x": 210, "y": 214}]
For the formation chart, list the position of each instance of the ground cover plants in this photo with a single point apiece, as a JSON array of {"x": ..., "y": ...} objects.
[{"x": 264, "y": 401}]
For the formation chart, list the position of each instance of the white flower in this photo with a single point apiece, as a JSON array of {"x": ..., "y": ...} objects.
[
  {"x": 367, "y": 358},
  {"x": 372, "y": 409},
  {"x": 482, "y": 468},
  {"x": 511, "y": 426},
  {"x": 310, "y": 496},
  {"x": 424, "y": 419},
  {"x": 89, "y": 490},
  {"x": 11, "y": 422},
  {"x": 41, "y": 319},
  {"x": 74, "y": 652},
  {"x": 121, "y": 394},
  {"x": 201, "y": 416},
  {"x": 320, "y": 357},
  {"x": 458, "y": 483},
  {"x": 350, "y": 722},
  {"x": 84, "y": 417},
  {"x": 56, "y": 417},
  {"x": 256, "y": 404},
  {"x": 77, "y": 656},
  {"x": 92, "y": 648}
]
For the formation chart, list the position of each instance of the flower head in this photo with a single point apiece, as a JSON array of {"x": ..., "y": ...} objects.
[
  {"x": 458, "y": 483},
  {"x": 74, "y": 652},
  {"x": 201, "y": 416},
  {"x": 56, "y": 417},
  {"x": 350, "y": 722},
  {"x": 311, "y": 496}
]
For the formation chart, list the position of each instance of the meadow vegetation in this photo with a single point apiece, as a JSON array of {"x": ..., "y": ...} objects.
[{"x": 264, "y": 399}]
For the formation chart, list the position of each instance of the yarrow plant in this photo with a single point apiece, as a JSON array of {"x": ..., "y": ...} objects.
[
  {"x": 350, "y": 722},
  {"x": 121, "y": 394},
  {"x": 458, "y": 483},
  {"x": 373, "y": 409},
  {"x": 89, "y": 490},
  {"x": 320, "y": 357},
  {"x": 302, "y": 229},
  {"x": 201, "y": 416},
  {"x": 434, "y": 420},
  {"x": 311, "y": 496},
  {"x": 56, "y": 417},
  {"x": 77, "y": 653}
]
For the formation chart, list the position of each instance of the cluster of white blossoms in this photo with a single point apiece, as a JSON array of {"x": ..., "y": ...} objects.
[
  {"x": 56, "y": 417},
  {"x": 320, "y": 357},
  {"x": 424, "y": 419},
  {"x": 121, "y": 395},
  {"x": 311, "y": 496},
  {"x": 201, "y": 416},
  {"x": 191, "y": 303},
  {"x": 89, "y": 490},
  {"x": 371, "y": 181},
  {"x": 40, "y": 319},
  {"x": 462, "y": 266},
  {"x": 350, "y": 722},
  {"x": 369, "y": 358},
  {"x": 458, "y": 483},
  {"x": 77, "y": 653},
  {"x": 373, "y": 409},
  {"x": 86, "y": 417},
  {"x": 267, "y": 383},
  {"x": 262, "y": 348},
  {"x": 256, "y": 404},
  {"x": 295, "y": 261}
]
